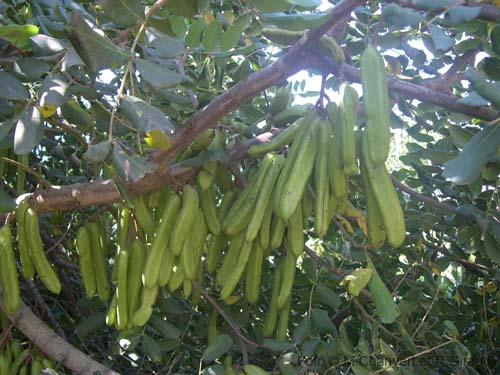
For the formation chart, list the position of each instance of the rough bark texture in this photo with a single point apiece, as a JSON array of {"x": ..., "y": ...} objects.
[{"x": 54, "y": 345}]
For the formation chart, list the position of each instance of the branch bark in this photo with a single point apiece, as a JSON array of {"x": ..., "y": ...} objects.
[
  {"x": 488, "y": 12},
  {"x": 104, "y": 192},
  {"x": 293, "y": 61},
  {"x": 412, "y": 91},
  {"x": 54, "y": 345}
]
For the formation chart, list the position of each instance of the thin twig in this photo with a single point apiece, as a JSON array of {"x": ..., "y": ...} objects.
[
  {"x": 244, "y": 350},
  {"x": 372, "y": 319},
  {"x": 426, "y": 313},
  {"x": 413, "y": 357},
  {"x": 226, "y": 317},
  {"x": 27, "y": 169},
  {"x": 423, "y": 198}
]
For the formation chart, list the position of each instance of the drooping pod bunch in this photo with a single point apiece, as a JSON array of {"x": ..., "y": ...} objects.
[{"x": 15, "y": 359}]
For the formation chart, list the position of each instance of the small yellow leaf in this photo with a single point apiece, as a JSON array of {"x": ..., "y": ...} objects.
[
  {"x": 345, "y": 224},
  {"x": 357, "y": 280},
  {"x": 157, "y": 139},
  {"x": 47, "y": 110},
  {"x": 208, "y": 17},
  {"x": 420, "y": 244},
  {"x": 458, "y": 299},
  {"x": 491, "y": 287},
  {"x": 362, "y": 224},
  {"x": 231, "y": 300},
  {"x": 435, "y": 270}
]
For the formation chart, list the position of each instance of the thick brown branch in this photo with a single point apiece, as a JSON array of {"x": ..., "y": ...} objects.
[
  {"x": 61, "y": 198},
  {"x": 488, "y": 12},
  {"x": 54, "y": 345},
  {"x": 412, "y": 91},
  {"x": 290, "y": 63},
  {"x": 104, "y": 192}
]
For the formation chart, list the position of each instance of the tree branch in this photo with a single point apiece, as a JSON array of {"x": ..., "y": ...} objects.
[
  {"x": 104, "y": 192},
  {"x": 54, "y": 345},
  {"x": 411, "y": 91},
  {"x": 423, "y": 198},
  {"x": 290, "y": 63},
  {"x": 488, "y": 12},
  {"x": 227, "y": 318}
]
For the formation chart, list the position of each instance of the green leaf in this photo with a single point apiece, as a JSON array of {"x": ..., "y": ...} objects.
[
  {"x": 302, "y": 330},
  {"x": 220, "y": 154},
  {"x": 97, "y": 51},
  {"x": 7, "y": 204},
  {"x": 297, "y": 22},
  {"x": 386, "y": 308},
  {"x": 219, "y": 347},
  {"x": 71, "y": 58},
  {"x": 310, "y": 267},
  {"x": 90, "y": 325},
  {"x": 5, "y": 127},
  {"x": 267, "y": 6},
  {"x": 130, "y": 168},
  {"x": 474, "y": 99},
  {"x": 124, "y": 13},
  {"x": 231, "y": 37},
  {"x": 144, "y": 117},
  {"x": 166, "y": 47},
  {"x": 151, "y": 348},
  {"x": 305, "y": 4},
  {"x": 29, "y": 131},
  {"x": 321, "y": 322},
  {"x": 44, "y": 45},
  {"x": 495, "y": 39},
  {"x": 186, "y": 8},
  {"x": 30, "y": 69},
  {"x": 357, "y": 280},
  {"x": 491, "y": 248},
  {"x": 195, "y": 31},
  {"x": 76, "y": 115},
  {"x": 437, "y": 157},
  {"x": 277, "y": 345},
  {"x": 345, "y": 344},
  {"x": 98, "y": 152},
  {"x": 167, "y": 329},
  {"x": 12, "y": 88},
  {"x": 490, "y": 91},
  {"x": 460, "y": 136},
  {"x": 451, "y": 329},
  {"x": 466, "y": 168},
  {"x": 211, "y": 36},
  {"x": 385, "y": 350},
  {"x": 440, "y": 40},
  {"x": 491, "y": 66},
  {"x": 54, "y": 90},
  {"x": 327, "y": 296},
  {"x": 462, "y": 13},
  {"x": 158, "y": 76},
  {"x": 400, "y": 16},
  {"x": 431, "y": 4},
  {"x": 361, "y": 370}
]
